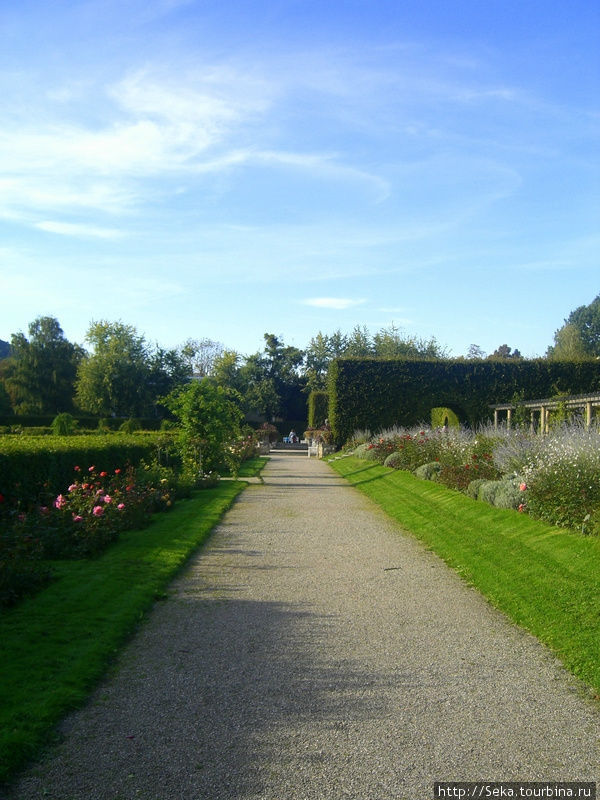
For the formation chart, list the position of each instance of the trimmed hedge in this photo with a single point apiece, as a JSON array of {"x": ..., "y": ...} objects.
[
  {"x": 30, "y": 465},
  {"x": 318, "y": 409},
  {"x": 444, "y": 416},
  {"x": 377, "y": 393},
  {"x": 84, "y": 422}
]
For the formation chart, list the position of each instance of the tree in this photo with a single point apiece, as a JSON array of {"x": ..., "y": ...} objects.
[
  {"x": 475, "y": 352},
  {"x": 568, "y": 345},
  {"x": 390, "y": 342},
  {"x": 202, "y": 355},
  {"x": 210, "y": 419},
  {"x": 113, "y": 380},
  {"x": 321, "y": 350},
  {"x": 580, "y": 335},
  {"x": 42, "y": 369},
  {"x": 504, "y": 351},
  {"x": 4, "y": 349},
  {"x": 359, "y": 343}
]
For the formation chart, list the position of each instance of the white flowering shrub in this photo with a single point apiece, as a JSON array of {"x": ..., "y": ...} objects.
[{"x": 563, "y": 477}]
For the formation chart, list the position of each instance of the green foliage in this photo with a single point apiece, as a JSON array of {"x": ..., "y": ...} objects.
[
  {"x": 563, "y": 480},
  {"x": 130, "y": 425},
  {"x": 429, "y": 471},
  {"x": 441, "y": 417},
  {"x": 64, "y": 424},
  {"x": 124, "y": 376},
  {"x": 56, "y": 646},
  {"x": 41, "y": 370},
  {"x": 36, "y": 469},
  {"x": 210, "y": 421},
  {"x": 579, "y": 337},
  {"x": 545, "y": 579},
  {"x": 318, "y": 408},
  {"x": 378, "y": 394}
]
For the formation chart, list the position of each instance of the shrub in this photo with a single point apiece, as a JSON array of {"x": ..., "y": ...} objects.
[
  {"x": 474, "y": 486},
  {"x": 508, "y": 494},
  {"x": 429, "y": 471},
  {"x": 394, "y": 460},
  {"x": 64, "y": 424},
  {"x": 130, "y": 426},
  {"x": 487, "y": 491},
  {"x": 360, "y": 449},
  {"x": 563, "y": 484}
]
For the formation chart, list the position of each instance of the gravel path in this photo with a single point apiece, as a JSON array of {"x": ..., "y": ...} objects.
[{"x": 313, "y": 652}]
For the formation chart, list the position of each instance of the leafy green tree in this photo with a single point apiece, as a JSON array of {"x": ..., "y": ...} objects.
[
  {"x": 504, "y": 351},
  {"x": 113, "y": 380},
  {"x": 580, "y": 335},
  {"x": 568, "y": 345},
  {"x": 360, "y": 343},
  {"x": 390, "y": 342},
  {"x": 166, "y": 370},
  {"x": 210, "y": 418},
  {"x": 321, "y": 350},
  {"x": 4, "y": 349},
  {"x": 42, "y": 369}
]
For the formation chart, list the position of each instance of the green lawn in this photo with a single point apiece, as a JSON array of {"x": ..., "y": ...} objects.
[
  {"x": 56, "y": 645},
  {"x": 546, "y": 579}
]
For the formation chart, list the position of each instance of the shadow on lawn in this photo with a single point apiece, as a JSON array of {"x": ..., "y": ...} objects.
[{"x": 215, "y": 706}]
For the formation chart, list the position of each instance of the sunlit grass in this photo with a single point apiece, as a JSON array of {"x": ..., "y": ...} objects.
[
  {"x": 56, "y": 645},
  {"x": 545, "y": 578}
]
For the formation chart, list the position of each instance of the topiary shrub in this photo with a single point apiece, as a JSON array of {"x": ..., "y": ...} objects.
[
  {"x": 487, "y": 491},
  {"x": 394, "y": 460},
  {"x": 371, "y": 453},
  {"x": 428, "y": 472},
  {"x": 474, "y": 486},
  {"x": 360, "y": 450},
  {"x": 130, "y": 426},
  {"x": 64, "y": 424},
  {"x": 508, "y": 494},
  {"x": 444, "y": 417}
]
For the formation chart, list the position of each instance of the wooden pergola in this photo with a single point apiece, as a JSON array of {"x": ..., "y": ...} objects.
[{"x": 539, "y": 409}]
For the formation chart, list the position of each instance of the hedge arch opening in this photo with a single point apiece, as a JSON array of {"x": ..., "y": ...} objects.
[{"x": 446, "y": 417}]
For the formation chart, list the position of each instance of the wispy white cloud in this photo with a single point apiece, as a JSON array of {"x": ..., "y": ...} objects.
[
  {"x": 76, "y": 229},
  {"x": 337, "y": 303}
]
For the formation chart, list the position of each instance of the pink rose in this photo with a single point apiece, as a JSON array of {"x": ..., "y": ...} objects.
[
  {"x": 522, "y": 487},
  {"x": 121, "y": 506},
  {"x": 107, "y": 498},
  {"x": 60, "y": 501},
  {"x": 77, "y": 517},
  {"x": 98, "y": 511}
]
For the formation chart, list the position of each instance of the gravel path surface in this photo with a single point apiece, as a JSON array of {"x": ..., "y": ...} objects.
[{"x": 314, "y": 652}]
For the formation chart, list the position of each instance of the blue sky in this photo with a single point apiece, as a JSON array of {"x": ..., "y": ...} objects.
[{"x": 223, "y": 169}]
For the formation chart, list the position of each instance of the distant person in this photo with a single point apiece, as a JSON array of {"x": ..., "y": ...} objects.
[{"x": 293, "y": 437}]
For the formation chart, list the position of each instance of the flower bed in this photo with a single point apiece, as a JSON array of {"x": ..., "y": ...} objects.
[{"x": 555, "y": 478}]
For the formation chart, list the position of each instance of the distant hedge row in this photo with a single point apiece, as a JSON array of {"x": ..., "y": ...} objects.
[
  {"x": 89, "y": 423},
  {"x": 377, "y": 393},
  {"x": 31, "y": 465}
]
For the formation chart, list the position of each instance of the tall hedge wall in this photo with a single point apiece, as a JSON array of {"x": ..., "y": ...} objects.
[
  {"x": 377, "y": 393},
  {"x": 318, "y": 409}
]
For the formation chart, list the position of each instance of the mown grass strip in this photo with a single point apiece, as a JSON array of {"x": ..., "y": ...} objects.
[
  {"x": 56, "y": 645},
  {"x": 546, "y": 579}
]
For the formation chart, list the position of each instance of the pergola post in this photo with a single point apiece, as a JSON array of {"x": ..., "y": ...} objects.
[
  {"x": 588, "y": 413},
  {"x": 495, "y": 419},
  {"x": 508, "y": 418},
  {"x": 543, "y": 419}
]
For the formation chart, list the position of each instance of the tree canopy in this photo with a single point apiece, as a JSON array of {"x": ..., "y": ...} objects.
[
  {"x": 41, "y": 369},
  {"x": 579, "y": 337}
]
